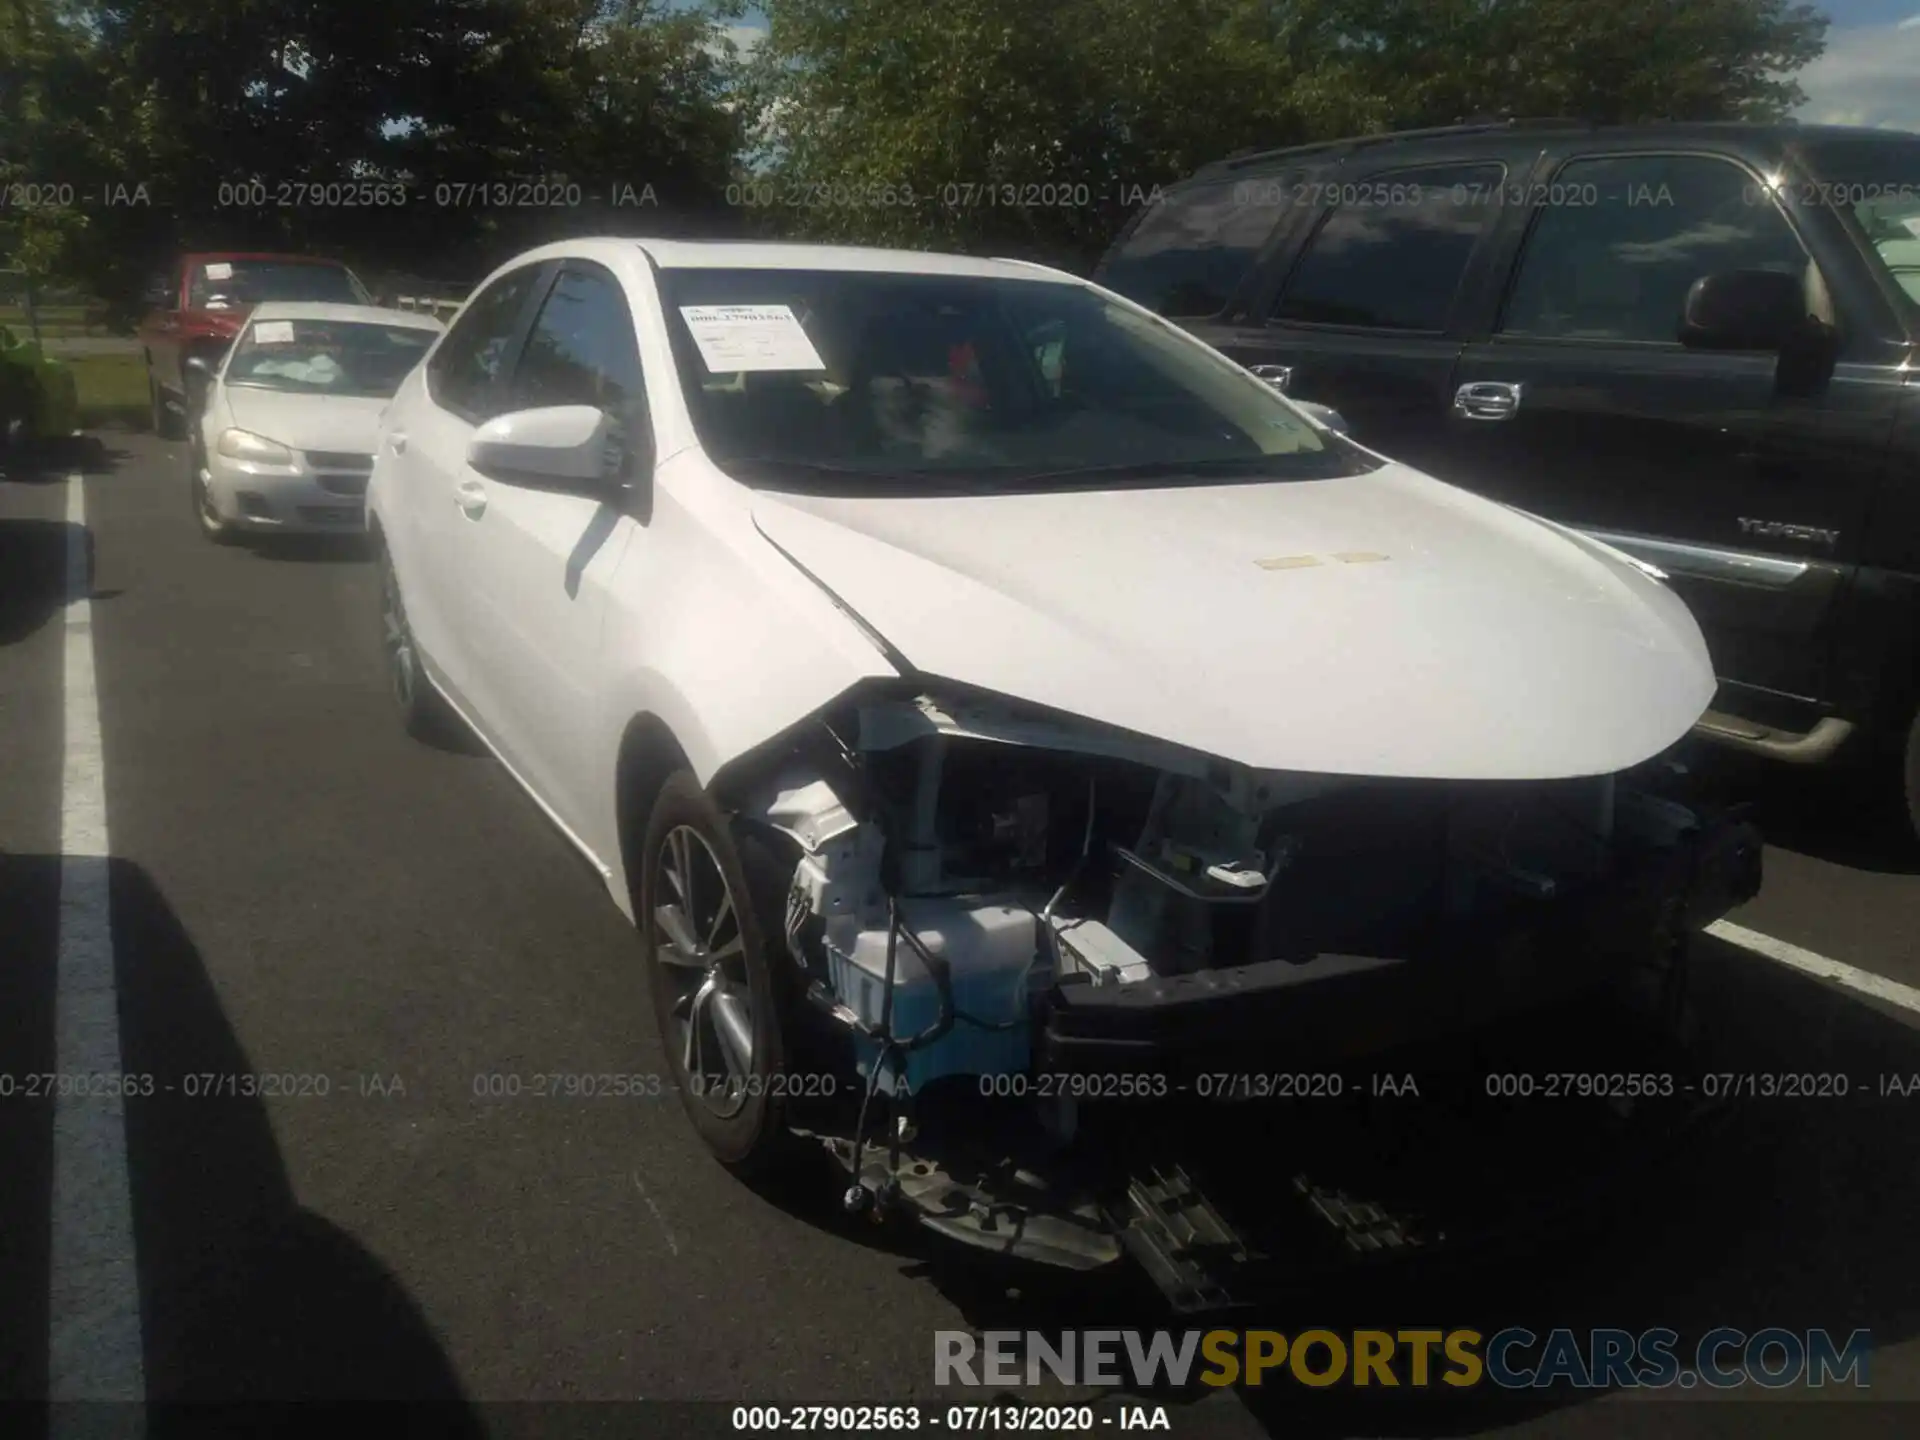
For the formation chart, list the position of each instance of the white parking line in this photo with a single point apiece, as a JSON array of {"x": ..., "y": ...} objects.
[
  {"x": 93, "y": 1345},
  {"x": 1864, "y": 982}
]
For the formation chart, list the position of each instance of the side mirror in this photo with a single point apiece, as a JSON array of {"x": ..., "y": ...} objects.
[
  {"x": 1325, "y": 414},
  {"x": 578, "y": 449},
  {"x": 199, "y": 365},
  {"x": 1744, "y": 310}
]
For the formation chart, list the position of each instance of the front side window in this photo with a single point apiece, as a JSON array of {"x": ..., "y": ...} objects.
[
  {"x": 581, "y": 350},
  {"x": 237, "y": 284},
  {"x": 463, "y": 372},
  {"x": 1191, "y": 251},
  {"x": 1616, "y": 260},
  {"x": 897, "y": 382},
  {"x": 327, "y": 357},
  {"x": 1879, "y": 181},
  {"x": 1392, "y": 254}
]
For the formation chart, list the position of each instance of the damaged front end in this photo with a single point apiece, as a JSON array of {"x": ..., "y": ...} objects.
[{"x": 1074, "y": 969}]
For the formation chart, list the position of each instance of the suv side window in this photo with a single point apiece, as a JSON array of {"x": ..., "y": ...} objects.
[
  {"x": 1194, "y": 247},
  {"x": 582, "y": 350},
  {"x": 462, "y": 372},
  {"x": 1614, "y": 259},
  {"x": 1392, "y": 254}
]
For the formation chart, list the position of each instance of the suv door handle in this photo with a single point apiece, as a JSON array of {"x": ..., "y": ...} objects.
[
  {"x": 1278, "y": 376},
  {"x": 397, "y": 442},
  {"x": 1488, "y": 400},
  {"x": 471, "y": 497}
]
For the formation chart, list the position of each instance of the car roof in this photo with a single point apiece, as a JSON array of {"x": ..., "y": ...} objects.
[
  {"x": 332, "y": 310},
  {"x": 787, "y": 255},
  {"x": 283, "y": 257},
  {"x": 1467, "y": 137}
]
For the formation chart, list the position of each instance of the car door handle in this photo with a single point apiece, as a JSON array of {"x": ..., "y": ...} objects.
[
  {"x": 471, "y": 497},
  {"x": 397, "y": 442},
  {"x": 1487, "y": 400},
  {"x": 1278, "y": 376}
]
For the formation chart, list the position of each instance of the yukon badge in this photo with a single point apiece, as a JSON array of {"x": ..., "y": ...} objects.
[{"x": 1780, "y": 530}]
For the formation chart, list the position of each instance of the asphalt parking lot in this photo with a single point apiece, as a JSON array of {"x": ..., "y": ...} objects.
[{"x": 298, "y": 889}]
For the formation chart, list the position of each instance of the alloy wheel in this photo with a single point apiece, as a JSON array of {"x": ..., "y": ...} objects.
[{"x": 697, "y": 937}]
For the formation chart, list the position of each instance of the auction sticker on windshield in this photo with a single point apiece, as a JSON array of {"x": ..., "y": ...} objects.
[
  {"x": 732, "y": 338},
  {"x": 273, "y": 332},
  {"x": 219, "y": 270}
]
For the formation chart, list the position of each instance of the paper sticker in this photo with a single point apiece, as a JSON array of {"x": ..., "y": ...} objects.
[
  {"x": 219, "y": 270},
  {"x": 732, "y": 338},
  {"x": 273, "y": 332}
]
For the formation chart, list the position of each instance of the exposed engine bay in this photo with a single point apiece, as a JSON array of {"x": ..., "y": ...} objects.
[{"x": 983, "y": 891}]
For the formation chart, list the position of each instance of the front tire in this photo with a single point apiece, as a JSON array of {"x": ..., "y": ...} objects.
[
  {"x": 704, "y": 934},
  {"x": 212, "y": 526},
  {"x": 423, "y": 714}
]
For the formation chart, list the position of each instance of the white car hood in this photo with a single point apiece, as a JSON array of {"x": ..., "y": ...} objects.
[
  {"x": 343, "y": 423},
  {"x": 1384, "y": 624}
]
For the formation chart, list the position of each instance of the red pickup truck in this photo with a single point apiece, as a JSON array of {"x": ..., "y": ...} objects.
[{"x": 197, "y": 307}]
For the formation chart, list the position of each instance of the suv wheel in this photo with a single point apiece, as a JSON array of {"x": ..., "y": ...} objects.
[
  {"x": 704, "y": 935},
  {"x": 1912, "y": 774}
]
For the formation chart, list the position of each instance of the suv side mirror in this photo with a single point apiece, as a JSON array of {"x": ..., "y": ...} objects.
[
  {"x": 199, "y": 365},
  {"x": 1744, "y": 310}
]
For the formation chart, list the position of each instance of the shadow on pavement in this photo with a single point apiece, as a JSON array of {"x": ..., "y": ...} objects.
[
  {"x": 247, "y": 1300},
  {"x": 33, "y": 551},
  {"x": 311, "y": 549}
]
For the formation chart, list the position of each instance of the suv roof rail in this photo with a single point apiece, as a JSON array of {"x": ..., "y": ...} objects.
[{"x": 1355, "y": 142}]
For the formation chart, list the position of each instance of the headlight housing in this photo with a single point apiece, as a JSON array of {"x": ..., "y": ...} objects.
[{"x": 244, "y": 445}]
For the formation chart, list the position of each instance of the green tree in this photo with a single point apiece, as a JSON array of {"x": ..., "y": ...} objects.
[{"x": 1081, "y": 106}]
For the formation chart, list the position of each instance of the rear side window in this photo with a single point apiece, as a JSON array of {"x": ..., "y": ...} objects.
[
  {"x": 1615, "y": 261},
  {"x": 1192, "y": 250},
  {"x": 462, "y": 373},
  {"x": 1391, "y": 254}
]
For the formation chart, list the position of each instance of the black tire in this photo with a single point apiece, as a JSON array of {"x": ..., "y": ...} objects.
[
  {"x": 423, "y": 714},
  {"x": 741, "y": 1120},
  {"x": 166, "y": 425},
  {"x": 1911, "y": 774},
  {"x": 216, "y": 530}
]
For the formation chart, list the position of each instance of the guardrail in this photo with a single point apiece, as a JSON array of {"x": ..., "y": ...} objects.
[{"x": 431, "y": 304}]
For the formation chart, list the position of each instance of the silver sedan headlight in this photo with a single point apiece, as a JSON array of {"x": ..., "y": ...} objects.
[{"x": 243, "y": 445}]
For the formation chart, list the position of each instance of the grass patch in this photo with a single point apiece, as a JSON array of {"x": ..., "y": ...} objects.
[
  {"x": 113, "y": 390},
  {"x": 55, "y": 321}
]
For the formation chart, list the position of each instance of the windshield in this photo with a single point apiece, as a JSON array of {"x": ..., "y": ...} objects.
[
  {"x": 327, "y": 357},
  {"x": 235, "y": 284},
  {"x": 1879, "y": 181},
  {"x": 899, "y": 382}
]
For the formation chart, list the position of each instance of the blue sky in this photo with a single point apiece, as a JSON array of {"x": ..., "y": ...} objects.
[{"x": 1870, "y": 74}]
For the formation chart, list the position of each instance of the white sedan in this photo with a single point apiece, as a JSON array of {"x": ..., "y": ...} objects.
[
  {"x": 285, "y": 441},
  {"x": 962, "y": 675}
]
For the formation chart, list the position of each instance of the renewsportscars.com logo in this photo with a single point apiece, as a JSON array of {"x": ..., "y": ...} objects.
[{"x": 1513, "y": 1359}]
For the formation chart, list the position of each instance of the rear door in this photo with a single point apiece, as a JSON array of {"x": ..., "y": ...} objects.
[
  {"x": 1364, "y": 318},
  {"x": 536, "y": 562},
  {"x": 1579, "y": 403}
]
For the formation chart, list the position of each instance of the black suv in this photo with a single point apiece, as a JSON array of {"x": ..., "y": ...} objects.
[{"x": 1699, "y": 343}]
